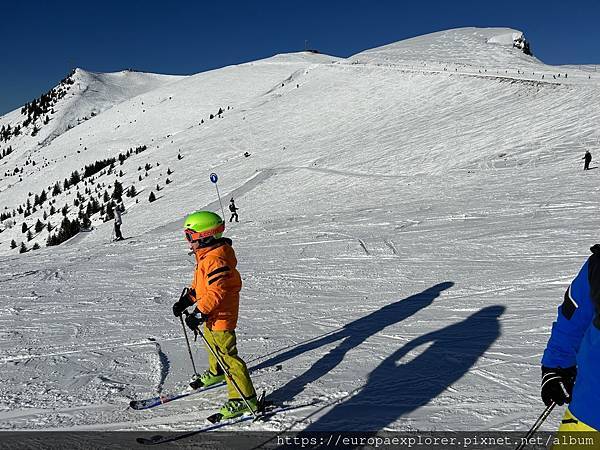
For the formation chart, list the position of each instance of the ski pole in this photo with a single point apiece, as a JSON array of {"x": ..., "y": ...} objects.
[
  {"x": 536, "y": 425},
  {"x": 226, "y": 370},
  {"x": 188, "y": 345}
]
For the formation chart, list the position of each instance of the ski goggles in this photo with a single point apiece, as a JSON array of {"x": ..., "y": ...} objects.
[{"x": 192, "y": 235}]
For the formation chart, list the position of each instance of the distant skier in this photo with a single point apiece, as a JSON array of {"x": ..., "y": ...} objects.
[
  {"x": 215, "y": 291},
  {"x": 588, "y": 159},
  {"x": 233, "y": 210},
  {"x": 118, "y": 208},
  {"x": 571, "y": 361}
]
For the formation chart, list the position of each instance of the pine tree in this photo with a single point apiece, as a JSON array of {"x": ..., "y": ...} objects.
[
  {"x": 87, "y": 223},
  {"x": 39, "y": 226},
  {"x": 117, "y": 191},
  {"x": 24, "y": 227},
  {"x": 152, "y": 197},
  {"x": 23, "y": 248},
  {"x": 75, "y": 178},
  {"x": 13, "y": 244}
]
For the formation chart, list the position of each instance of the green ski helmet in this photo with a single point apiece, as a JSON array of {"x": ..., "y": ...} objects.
[{"x": 203, "y": 226}]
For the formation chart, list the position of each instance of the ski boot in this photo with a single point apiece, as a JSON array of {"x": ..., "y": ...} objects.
[
  {"x": 237, "y": 407},
  {"x": 206, "y": 379}
]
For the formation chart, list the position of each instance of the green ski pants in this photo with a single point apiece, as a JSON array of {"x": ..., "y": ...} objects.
[{"x": 225, "y": 345}]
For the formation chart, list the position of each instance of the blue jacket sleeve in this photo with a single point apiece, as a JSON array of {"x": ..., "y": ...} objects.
[{"x": 574, "y": 317}]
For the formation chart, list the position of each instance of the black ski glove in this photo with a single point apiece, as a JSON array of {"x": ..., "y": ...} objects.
[
  {"x": 195, "y": 319},
  {"x": 557, "y": 385},
  {"x": 185, "y": 301}
]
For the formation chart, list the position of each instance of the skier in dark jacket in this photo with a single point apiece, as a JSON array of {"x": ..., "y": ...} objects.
[
  {"x": 233, "y": 210},
  {"x": 571, "y": 361},
  {"x": 118, "y": 209},
  {"x": 588, "y": 159}
]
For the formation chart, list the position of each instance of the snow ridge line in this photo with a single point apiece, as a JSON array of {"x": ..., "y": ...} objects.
[{"x": 533, "y": 82}]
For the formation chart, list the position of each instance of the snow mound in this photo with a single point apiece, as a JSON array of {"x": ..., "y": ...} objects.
[{"x": 506, "y": 38}]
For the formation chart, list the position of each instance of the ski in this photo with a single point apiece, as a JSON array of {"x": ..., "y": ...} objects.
[
  {"x": 266, "y": 414},
  {"x": 152, "y": 402}
]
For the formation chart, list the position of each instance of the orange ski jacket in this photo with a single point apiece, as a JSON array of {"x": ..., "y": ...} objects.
[{"x": 217, "y": 285}]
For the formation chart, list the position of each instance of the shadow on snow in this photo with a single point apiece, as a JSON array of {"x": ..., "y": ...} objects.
[
  {"x": 350, "y": 336},
  {"x": 395, "y": 388}
]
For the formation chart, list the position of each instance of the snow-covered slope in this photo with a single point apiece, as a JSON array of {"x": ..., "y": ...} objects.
[
  {"x": 489, "y": 47},
  {"x": 410, "y": 218},
  {"x": 87, "y": 95}
]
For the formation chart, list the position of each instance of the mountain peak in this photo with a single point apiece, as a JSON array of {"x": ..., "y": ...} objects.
[{"x": 484, "y": 47}]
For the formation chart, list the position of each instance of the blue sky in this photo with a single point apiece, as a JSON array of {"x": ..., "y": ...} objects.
[{"x": 43, "y": 40}]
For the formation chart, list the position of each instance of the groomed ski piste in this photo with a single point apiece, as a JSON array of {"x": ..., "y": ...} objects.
[{"x": 410, "y": 218}]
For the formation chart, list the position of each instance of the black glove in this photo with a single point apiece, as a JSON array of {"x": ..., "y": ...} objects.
[
  {"x": 557, "y": 385},
  {"x": 195, "y": 319},
  {"x": 185, "y": 301}
]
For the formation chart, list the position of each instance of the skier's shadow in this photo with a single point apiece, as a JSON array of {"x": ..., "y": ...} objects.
[
  {"x": 395, "y": 388},
  {"x": 350, "y": 336}
]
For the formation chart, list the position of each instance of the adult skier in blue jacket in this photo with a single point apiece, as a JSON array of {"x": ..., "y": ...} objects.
[{"x": 571, "y": 361}]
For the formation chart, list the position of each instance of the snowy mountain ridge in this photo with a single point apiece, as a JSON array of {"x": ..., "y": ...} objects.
[
  {"x": 480, "y": 47},
  {"x": 409, "y": 219}
]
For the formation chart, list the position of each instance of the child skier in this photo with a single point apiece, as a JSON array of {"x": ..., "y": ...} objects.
[
  {"x": 215, "y": 292},
  {"x": 571, "y": 361}
]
